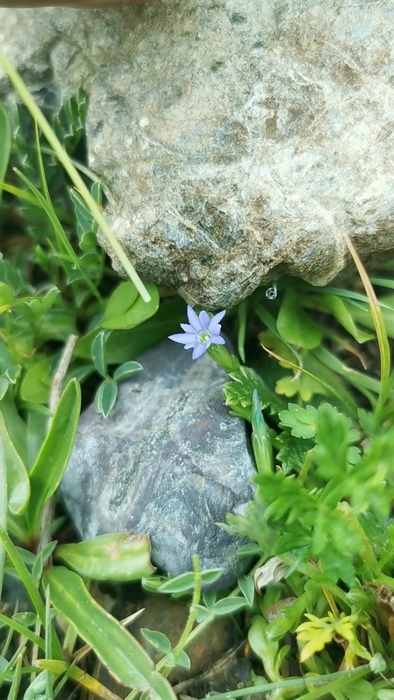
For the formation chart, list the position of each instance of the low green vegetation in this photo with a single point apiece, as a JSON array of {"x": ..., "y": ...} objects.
[{"x": 311, "y": 375}]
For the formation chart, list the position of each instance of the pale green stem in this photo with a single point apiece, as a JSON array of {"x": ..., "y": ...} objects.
[
  {"x": 3, "y": 511},
  {"x": 74, "y": 175},
  {"x": 339, "y": 677}
]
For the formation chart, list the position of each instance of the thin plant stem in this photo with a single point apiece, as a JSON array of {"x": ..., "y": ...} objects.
[
  {"x": 3, "y": 511},
  {"x": 381, "y": 334},
  {"x": 192, "y": 614},
  {"x": 72, "y": 172},
  {"x": 338, "y": 676}
]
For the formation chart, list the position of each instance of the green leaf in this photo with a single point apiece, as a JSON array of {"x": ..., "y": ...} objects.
[
  {"x": 302, "y": 421},
  {"x": 18, "y": 483},
  {"x": 264, "y": 647},
  {"x": 202, "y": 613},
  {"x": 292, "y": 452},
  {"x": 211, "y": 575},
  {"x": 261, "y": 440},
  {"x": 343, "y": 313},
  {"x": 295, "y": 326},
  {"x": 242, "y": 314},
  {"x": 246, "y": 585},
  {"x": 249, "y": 550},
  {"x": 35, "y": 386},
  {"x": 113, "y": 557},
  {"x": 228, "y": 606},
  {"x": 53, "y": 457},
  {"x": 6, "y": 293},
  {"x": 3, "y": 387},
  {"x": 5, "y": 143},
  {"x": 109, "y": 392},
  {"x": 27, "y": 580},
  {"x": 157, "y": 639},
  {"x": 120, "y": 301},
  {"x": 99, "y": 353},
  {"x": 179, "y": 584},
  {"x": 139, "y": 312},
  {"x": 49, "y": 299},
  {"x": 183, "y": 661},
  {"x": 114, "y": 645},
  {"x": 127, "y": 370},
  {"x": 22, "y": 629}
]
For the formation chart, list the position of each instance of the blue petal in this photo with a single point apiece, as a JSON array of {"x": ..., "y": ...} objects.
[
  {"x": 218, "y": 340},
  {"x": 193, "y": 319},
  {"x": 187, "y": 328},
  {"x": 215, "y": 330},
  {"x": 199, "y": 350},
  {"x": 183, "y": 338},
  {"x": 189, "y": 345},
  {"x": 204, "y": 320},
  {"x": 215, "y": 320}
]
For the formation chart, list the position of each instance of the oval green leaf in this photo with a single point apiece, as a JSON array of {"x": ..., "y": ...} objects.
[
  {"x": 127, "y": 370},
  {"x": 109, "y": 393},
  {"x": 139, "y": 312},
  {"x": 295, "y": 326},
  {"x": 120, "y": 301},
  {"x": 36, "y": 383},
  {"x": 228, "y": 606},
  {"x": 18, "y": 483},
  {"x": 53, "y": 457},
  {"x": 114, "y": 645},
  {"x": 113, "y": 557},
  {"x": 98, "y": 353}
]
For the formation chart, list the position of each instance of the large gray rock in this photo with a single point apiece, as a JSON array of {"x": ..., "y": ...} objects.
[
  {"x": 168, "y": 462},
  {"x": 237, "y": 137}
]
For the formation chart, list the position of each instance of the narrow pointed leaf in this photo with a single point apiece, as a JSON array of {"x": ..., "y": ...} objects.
[
  {"x": 53, "y": 457},
  {"x": 18, "y": 483},
  {"x": 5, "y": 143},
  {"x": 113, "y": 644}
]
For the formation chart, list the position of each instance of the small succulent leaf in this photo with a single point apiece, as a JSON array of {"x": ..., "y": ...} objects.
[
  {"x": 99, "y": 356},
  {"x": 157, "y": 639},
  {"x": 246, "y": 585},
  {"x": 229, "y": 606},
  {"x": 179, "y": 584},
  {"x": 127, "y": 370},
  {"x": 109, "y": 393}
]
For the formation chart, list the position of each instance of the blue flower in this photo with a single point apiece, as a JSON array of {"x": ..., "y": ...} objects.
[{"x": 200, "y": 332}]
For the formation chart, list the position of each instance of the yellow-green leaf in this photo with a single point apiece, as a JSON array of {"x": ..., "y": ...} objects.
[
  {"x": 114, "y": 557},
  {"x": 5, "y": 143}
]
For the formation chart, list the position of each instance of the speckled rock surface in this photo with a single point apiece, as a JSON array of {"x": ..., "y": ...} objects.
[
  {"x": 237, "y": 137},
  {"x": 168, "y": 462}
]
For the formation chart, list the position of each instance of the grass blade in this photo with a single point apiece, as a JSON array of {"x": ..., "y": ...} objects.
[
  {"x": 242, "y": 313},
  {"x": 25, "y": 631},
  {"x": 83, "y": 678},
  {"x": 5, "y": 141},
  {"x": 75, "y": 177},
  {"x": 384, "y": 348},
  {"x": 27, "y": 580}
]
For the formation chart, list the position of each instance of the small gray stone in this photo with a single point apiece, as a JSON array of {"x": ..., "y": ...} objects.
[
  {"x": 169, "y": 462},
  {"x": 237, "y": 138}
]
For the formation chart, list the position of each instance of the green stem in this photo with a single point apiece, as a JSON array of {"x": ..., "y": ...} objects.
[
  {"x": 74, "y": 175},
  {"x": 192, "y": 614},
  {"x": 3, "y": 511},
  {"x": 339, "y": 677}
]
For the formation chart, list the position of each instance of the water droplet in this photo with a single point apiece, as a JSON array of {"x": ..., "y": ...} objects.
[{"x": 272, "y": 292}]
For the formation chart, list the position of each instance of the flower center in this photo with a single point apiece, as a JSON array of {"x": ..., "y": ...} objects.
[{"x": 203, "y": 337}]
